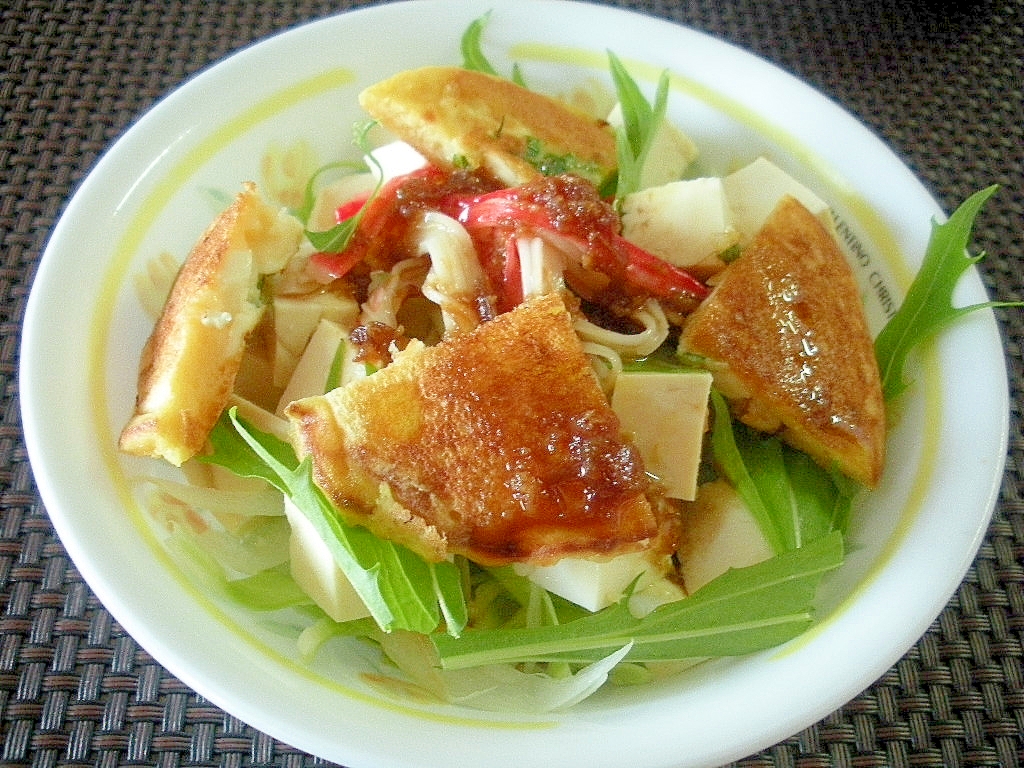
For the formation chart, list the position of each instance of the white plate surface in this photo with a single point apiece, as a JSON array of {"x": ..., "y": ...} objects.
[{"x": 913, "y": 539}]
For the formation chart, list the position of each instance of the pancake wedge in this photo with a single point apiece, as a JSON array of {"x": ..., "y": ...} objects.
[
  {"x": 189, "y": 364},
  {"x": 497, "y": 444},
  {"x": 458, "y": 118},
  {"x": 785, "y": 337}
]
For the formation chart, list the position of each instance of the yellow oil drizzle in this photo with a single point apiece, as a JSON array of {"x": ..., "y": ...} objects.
[{"x": 184, "y": 170}]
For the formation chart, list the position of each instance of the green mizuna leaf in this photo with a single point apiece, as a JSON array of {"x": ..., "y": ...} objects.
[
  {"x": 928, "y": 306},
  {"x": 473, "y": 57},
  {"x": 399, "y": 588},
  {"x": 333, "y": 380},
  {"x": 793, "y": 500},
  {"x": 665, "y": 359},
  {"x": 824, "y": 497},
  {"x": 742, "y": 611},
  {"x": 304, "y": 211},
  {"x": 234, "y": 453},
  {"x": 641, "y": 121},
  {"x": 337, "y": 238},
  {"x": 731, "y": 463},
  {"x": 268, "y": 590}
]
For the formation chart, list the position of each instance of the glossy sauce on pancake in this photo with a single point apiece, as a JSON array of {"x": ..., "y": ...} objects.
[
  {"x": 785, "y": 336},
  {"x": 497, "y": 444}
]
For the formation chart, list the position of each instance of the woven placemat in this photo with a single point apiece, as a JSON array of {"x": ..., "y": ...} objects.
[{"x": 941, "y": 82}]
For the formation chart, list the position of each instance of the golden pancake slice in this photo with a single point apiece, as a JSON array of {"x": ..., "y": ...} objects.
[
  {"x": 458, "y": 118},
  {"x": 190, "y": 362},
  {"x": 785, "y": 336},
  {"x": 497, "y": 444}
]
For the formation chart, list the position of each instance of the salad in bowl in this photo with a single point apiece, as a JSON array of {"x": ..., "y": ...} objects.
[
  {"x": 513, "y": 392},
  {"x": 539, "y": 406}
]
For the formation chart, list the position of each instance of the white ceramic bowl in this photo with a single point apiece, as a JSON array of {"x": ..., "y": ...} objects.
[{"x": 912, "y": 540}]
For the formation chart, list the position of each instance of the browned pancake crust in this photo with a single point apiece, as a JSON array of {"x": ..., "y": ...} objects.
[
  {"x": 450, "y": 114},
  {"x": 497, "y": 444},
  {"x": 190, "y": 362},
  {"x": 786, "y": 332}
]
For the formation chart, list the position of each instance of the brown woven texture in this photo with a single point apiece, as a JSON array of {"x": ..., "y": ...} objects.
[{"x": 940, "y": 82}]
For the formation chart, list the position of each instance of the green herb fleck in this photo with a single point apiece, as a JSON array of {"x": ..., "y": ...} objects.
[
  {"x": 731, "y": 253},
  {"x": 551, "y": 164}
]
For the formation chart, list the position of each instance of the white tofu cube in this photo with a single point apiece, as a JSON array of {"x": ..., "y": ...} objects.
[
  {"x": 719, "y": 533},
  {"x": 296, "y": 319},
  {"x": 667, "y": 414},
  {"x": 686, "y": 223},
  {"x": 596, "y": 584},
  {"x": 314, "y": 570},
  {"x": 310, "y": 375},
  {"x": 394, "y": 159},
  {"x": 754, "y": 190},
  {"x": 313, "y": 369}
]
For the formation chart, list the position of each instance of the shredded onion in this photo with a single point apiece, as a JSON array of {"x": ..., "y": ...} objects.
[
  {"x": 540, "y": 266},
  {"x": 390, "y": 290},
  {"x": 607, "y": 364},
  {"x": 455, "y": 281},
  {"x": 154, "y": 284}
]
